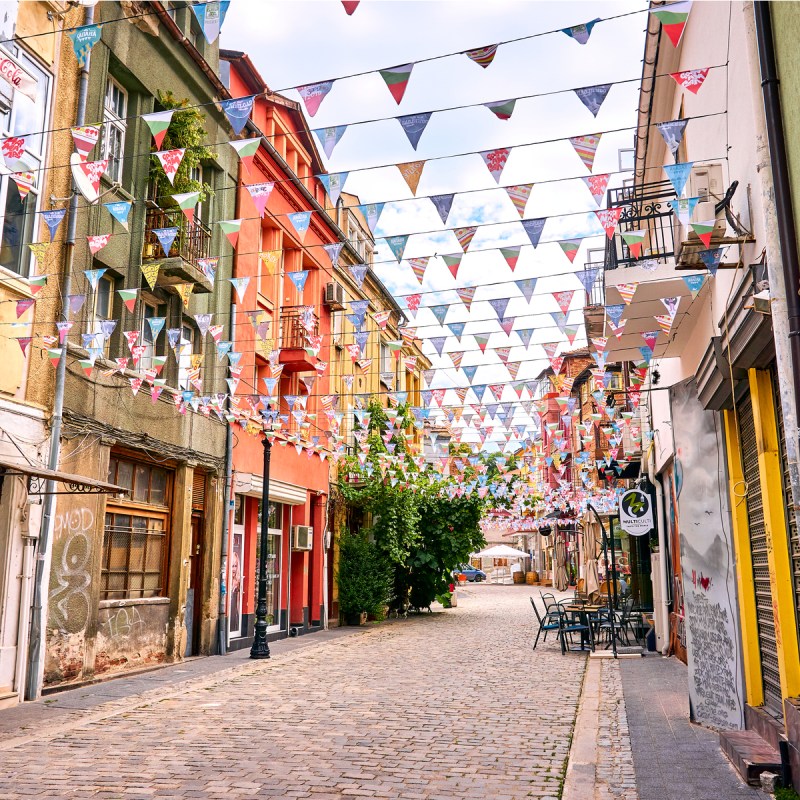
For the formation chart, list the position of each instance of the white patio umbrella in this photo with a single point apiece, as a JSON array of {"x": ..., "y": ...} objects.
[
  {"x": 592, "y": 578},
  {"x": 501, "y": 551}
]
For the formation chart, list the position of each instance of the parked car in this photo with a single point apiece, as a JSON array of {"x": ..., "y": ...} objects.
[{"x": 472, "y": 573}]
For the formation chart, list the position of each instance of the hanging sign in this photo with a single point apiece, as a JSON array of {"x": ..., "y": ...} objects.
[{"x": 636, "y": 512}]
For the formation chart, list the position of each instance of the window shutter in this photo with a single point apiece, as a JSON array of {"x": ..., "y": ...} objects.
[{"x": 199, "y": 491}]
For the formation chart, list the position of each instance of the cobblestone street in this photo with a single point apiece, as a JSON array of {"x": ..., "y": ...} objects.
[{"x": 448, "y": 705}]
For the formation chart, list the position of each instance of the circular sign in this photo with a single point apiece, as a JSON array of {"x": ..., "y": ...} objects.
[{"x": 635, "y": 512}]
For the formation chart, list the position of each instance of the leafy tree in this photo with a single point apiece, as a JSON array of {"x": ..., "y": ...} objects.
[{"x": 363, "y": 578}]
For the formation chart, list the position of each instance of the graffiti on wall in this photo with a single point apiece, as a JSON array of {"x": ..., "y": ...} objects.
[
  {"x": 706, "y": 564},
  {"x": 70, "y": 600}
]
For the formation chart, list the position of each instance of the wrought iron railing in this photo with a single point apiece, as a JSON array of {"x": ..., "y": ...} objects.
[
  {"x": 644, "y": 208},
  {"x": 297, "y": 323},
  {"x": 192, "y": 242},
  {"x": 596, "y": 296}
]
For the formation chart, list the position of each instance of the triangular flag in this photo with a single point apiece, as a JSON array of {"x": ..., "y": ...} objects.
[
  {"x": 397, "y": 80},
  {"x": 418, "y": 266},
  {"x": 519, "y": 196},
  {"x": 626, "y": 291},
  {"x": 120, "y": 210},
  {"x": 678, "y": 174},
  {"x": 170, "y": 161},
  {"x": 184, "y": 291},
  {"x": 157, "y": 123},
  {"x": 499, "y": 304},
  {"x": 85, "y": 138},
  {"x": 482, "y": 56},
  {"x": 166, "y": 236},
  {"x": 93, "y": 276},
  {"x": 128, "y": 297},
  {"x": 711, "y": 258},
  {"x": 334, "y": 184},
  {"x": 333, "y": 250},
  {"x": 527, "y": 286},
  {"x": 564, "y": 299},
  {"x": 587, "y": 278},
  {"x": 534, "y": 228},
  {"x": 414, "y": 126},
  {"x": 372, "y": 213},
  {"x": 673, "y": 19},
  {"x": 502, "y": 109},
  {"x": 237, "y": 110},
  {"x": 511, "y": 255},
  {"x": 412, "y": 172},
  {"x": 231, "y": 228},
  {"x": 259, "y": 193},
  {"x": 298, "y": 278},
  {"x": 465, "y": 236},
  {"x": 608, "y": 218},
  {"x": 97, "y": 243},
  {"x": 581, "y": 33},
  {"x": 665, "y": 321},
  {"x": 586, "y": 148},
  {"x": 329, "y": 137},
  {"x": 397, "y": 244},
  {"x": 453, "y": 262},
  {"x": 593, "y": 96},
  {"x": 301, "y": 220},
  {"x": 615, "y": 312},
  {"x": 313, "y": 94},
  {"x": 683, "y": 208},
  {"x": 694, "y": 283},
  {"x": 635, "y": 241},
  {"x": 350, "y": 6},
  {"x": 25, "y": 181},
  {"x": 704, "y": 231},
  {"x": 187, "y": 202},
  {"x": 440, "y": 312},
  {"x": 150, "y": 272},
  {"x": 53, "y": 219},
  {"x": 495, "y": 161},
  {"x": 570, "y": 248},
  {"x": 672, "y": 132},
  {"x": 246, "y": 149},
  {"x": 443, "y": 204},
  {"x": 691, "y": 80},
  {"x": 466, "y": 295},
  {"x": 597, "y": 184},
  {"x": 650, "y": 338}
]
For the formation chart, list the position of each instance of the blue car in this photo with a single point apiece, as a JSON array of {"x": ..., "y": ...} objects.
[{"x": 473, "y": 573}]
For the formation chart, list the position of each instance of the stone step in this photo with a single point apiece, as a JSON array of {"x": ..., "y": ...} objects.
[
  {"x": 8, "y": 699},
  {"x": 750, "y": 754}
]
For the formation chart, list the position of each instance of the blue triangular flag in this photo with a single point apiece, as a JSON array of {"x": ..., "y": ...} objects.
[
  {"x": 334, "y": 184},
  {"x": 615, "y": 312},
  {"x": 470, "y": 372},
  {"x": 53, "y": 219},
  {"x": 300, "y": 221},
  {"x": 238, "y": 111},
  {"x": 443, "y": 203},
  {"x": 414, "y": 126},
  {"x": 397, "y": 244},
  {"x": 711, "y": 258},
  {"x": 534, "y": 228},
  {"x": 166, "y": 236},
  {"x": 593, "y": 96},
  {"x": 93, "y": 276},
  {"x": 678, "y": 174},
  {"x": 120, "y": 211},
  {"x": 440, "y": 312},
  {"x": 329, "y": 137},
  {"x": 298, "y": 278}
]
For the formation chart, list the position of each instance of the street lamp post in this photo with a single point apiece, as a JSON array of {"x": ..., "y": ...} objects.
[
  {"x": 260, "y": 646},
  {"x": 611, "y": 618}
]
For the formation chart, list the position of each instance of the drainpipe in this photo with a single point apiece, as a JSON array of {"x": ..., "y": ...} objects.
[
  {"x": 222, "y": 623},
  {"x": 781, "y": 237},
  {"x": 42, "y": 577}
]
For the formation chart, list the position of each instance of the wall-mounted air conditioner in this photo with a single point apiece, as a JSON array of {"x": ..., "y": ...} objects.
[
  {"x": 334, "y": 295},
  {"x": 302, "y": 537}
]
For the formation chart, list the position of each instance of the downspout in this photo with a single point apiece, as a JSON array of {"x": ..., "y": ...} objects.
[
  {"x": 42, "y": 577},
  {"x": 776, "y": 189},
  {"x": 222, "y": 624}
]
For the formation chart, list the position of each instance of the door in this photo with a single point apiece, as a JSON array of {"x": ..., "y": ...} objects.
[
  {"x": 236, "y": 584},
  {"x": 768, "y": 649},
  {"x": 194, "y": 595}
]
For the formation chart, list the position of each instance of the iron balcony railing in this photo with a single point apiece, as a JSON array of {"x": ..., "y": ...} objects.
[
  {"x": 644, "y": 208},
  {"x": 596, "y": 296},
  {"x": 192, "y": 242},
  {"x": 297, "y": 322}
]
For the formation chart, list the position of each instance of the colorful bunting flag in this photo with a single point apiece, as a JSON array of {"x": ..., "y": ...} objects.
[
  {"x": 581, "y": 33},
  {"x": 711, "y": 258},
  {"x": 527, "y": 287},
  {"x": 691, "y": 80},
  {"x": 170, "y": 161},
  {"x": 563, "y": 299},
  {"x": 158, "y": 123},
  {"x": 466, "y": 294},
  {"x": 519, "y": 196},
  {"x": 334, "y": 184},
  {"x": 329, "y": 137},
  {"x": 483, "y": 56},
  {"x": 626, "y": 291},
  {"x": 313, "y": 94},
  {"x": 678, "y": 174},
  {"x": 596, "y": 184},
  {"x": 593, "y": 96},
  {"x": 128, "y": 297},
  {"x": 300, "y": 220},
  {"x": 418, "y": 267},
  {"x": 85, "y": 138},
  {"x": 259, "y": 193},
  {"x": 246, "y": 149},
  {"x": 608, "y": 218},
  {"x": 119, "y": 210},
  {"x": 495, "y": 161},
  {"x": 534, "y": 228},
  {"x": 411, "y": 172},
  {"x": 414, "y": 126},
  {"x": 570, "y": 248},
  {"x": 238, "y": 110},
  {"x": 231, "y": 228},
  {"x": 187, "y": 202},
  {"x": 397, "y": 244},
  {"x": 443, "y": 204},
  {"x": 511, "y": 255},
  {"x": 586, "y": 148},
  {"x": 704, "y": 231},
  {"x": 673, "y": 19},
  {"x": 694, "y": 283},
  {"x": 672, "y": 132},
  {"x": 453, "y": 262},
  {"x": 166, "y": 236},
  {"x": 53, "y": 219},
  {"x": 465, "y": 236},
  {"x": 396, "y": 79},
  {"x": 502, "y": 109},
  {"x": 83, "y": 39}
]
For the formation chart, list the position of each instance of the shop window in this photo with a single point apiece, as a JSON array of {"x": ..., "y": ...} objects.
[
  {"x": 115, "y": 111},
  {"x": 136, "y": 532}
]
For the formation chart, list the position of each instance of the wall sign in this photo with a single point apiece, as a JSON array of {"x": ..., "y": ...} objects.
[{"x": 635, "y": 512}]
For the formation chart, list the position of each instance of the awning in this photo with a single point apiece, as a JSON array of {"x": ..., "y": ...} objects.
[
  {"x": 74, "y": 483},
  {"x": 279, "y": 491}
]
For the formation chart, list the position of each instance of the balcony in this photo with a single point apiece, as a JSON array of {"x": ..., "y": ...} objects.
[
  {"x": 297, "y": 323},
  {"x": 192, "y": 243},
  {"x": 594, "y": 309}
]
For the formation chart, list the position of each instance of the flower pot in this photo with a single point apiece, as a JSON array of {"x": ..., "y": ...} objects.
[{"x": 356, "y": 619}]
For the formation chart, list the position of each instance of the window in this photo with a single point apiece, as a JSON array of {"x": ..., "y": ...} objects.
[
  {"x": 115, "y": 112},
  {"x": 187, "y": 371},
  {"x": 135, "y": 535},
  {"x": 199, "y": 209},
  {"x": 155, "y": 346},
  {"x": 18, "y": 213},
  {"x": 102, "y": 312},
  {"x": 386, "y": 359}
]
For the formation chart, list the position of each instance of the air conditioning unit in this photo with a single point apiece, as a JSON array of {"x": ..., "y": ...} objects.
[
  {"x": 705, "y": 182},
  {"x": 302, "y": 537},
  {"x": 334, "y": 295}
]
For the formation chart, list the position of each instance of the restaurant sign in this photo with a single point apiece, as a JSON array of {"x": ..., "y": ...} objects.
[{"x": 635, "y": 512}]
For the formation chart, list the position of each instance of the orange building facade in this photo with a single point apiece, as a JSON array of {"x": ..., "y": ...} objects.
[{"x": 282, "y": 333}]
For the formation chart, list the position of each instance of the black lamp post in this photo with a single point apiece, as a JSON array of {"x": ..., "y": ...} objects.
[
  {"x": 613, "y": 577},
  {"x": 260, "y": 646}
]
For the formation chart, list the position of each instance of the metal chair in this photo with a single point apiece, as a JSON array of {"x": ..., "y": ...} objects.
[
  {"x": 546, "y": 623},
  {"x": 567, "y": 627}
]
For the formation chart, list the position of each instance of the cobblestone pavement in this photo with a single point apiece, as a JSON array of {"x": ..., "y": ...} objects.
[
  {"x": 453, "y": 704},
  {"x": 674, "y": 759},
  {"x": 615, "y": 773}
]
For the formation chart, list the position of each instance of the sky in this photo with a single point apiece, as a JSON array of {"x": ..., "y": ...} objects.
[{"x": 295, "y": 42}]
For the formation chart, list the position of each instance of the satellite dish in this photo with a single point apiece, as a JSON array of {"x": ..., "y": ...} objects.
[{"x": 86, "y": 175}]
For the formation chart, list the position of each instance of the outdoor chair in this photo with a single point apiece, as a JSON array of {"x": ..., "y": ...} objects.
[
  {"x": 622, "y": 622},
  {"x": 570, "y": 623},
  {"x": 546, "y": 623}
]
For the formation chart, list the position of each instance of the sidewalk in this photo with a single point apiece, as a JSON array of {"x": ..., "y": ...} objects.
[
  {"x": 633, "y": 739},
  {"x": 71, "y": 704}
]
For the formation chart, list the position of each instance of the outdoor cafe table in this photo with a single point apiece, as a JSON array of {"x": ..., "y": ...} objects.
[{"x": 588, "y": 610}]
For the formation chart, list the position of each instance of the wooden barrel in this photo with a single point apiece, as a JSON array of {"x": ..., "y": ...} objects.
[
  {"x": 531, "y": 578},
  {"x": 519, "y": 577}
]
